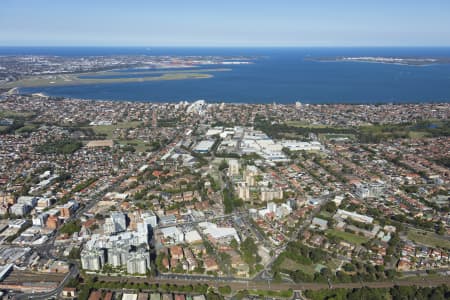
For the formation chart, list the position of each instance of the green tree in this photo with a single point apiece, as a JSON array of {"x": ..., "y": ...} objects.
[{"x": 223, "y": 165}]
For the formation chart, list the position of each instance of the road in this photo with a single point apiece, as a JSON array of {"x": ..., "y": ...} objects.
[
  {"x": 243, "y": 284},
  {"x": 239, "y": 284}
]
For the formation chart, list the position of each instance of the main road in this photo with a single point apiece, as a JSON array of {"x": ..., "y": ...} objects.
[{"x": 243, "y": 284}]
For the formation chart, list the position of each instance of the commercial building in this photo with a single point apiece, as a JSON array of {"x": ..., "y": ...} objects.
[
  {"x": 192, "y": 237},
  {"x": 300, "y": 146},
  {"x": 172, "y": 235},
  {"x": 168, "y": 220},
  {"x": 204, "y": 146},
  {"x": 319, "y": 224},
  {"x": 354, "y": 216},
  {"x": 219, "y": 234}
]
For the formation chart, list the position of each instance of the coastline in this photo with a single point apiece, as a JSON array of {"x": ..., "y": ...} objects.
[{"x": 236, "y": 102}]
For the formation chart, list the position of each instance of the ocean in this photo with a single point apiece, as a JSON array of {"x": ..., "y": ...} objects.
[{"x": 281, "y": 75}]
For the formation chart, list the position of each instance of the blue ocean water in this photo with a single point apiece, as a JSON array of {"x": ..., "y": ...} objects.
[{"x": 280, "y": 75}]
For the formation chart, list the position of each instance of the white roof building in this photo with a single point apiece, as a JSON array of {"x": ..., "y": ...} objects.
[
  {"x": 319, "y": 223},
  {"x": 192, "y": 237},
  {"x": 355, "y": 216},
  {"x": 219, "y": 233},
  {"x": 129, "y": 296},
  {"x": 204, "y": 146},
  {"x": 298, "y": 146},
  {"x": 173, "y": 234}
]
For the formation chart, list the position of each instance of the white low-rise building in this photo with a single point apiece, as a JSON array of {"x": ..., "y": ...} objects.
[
  {"x": 192, "y": 237},
  {"x": 219, "y": 233},
  {"x": 354, "y": 216},
  {"x": 204, "y": 146},
  {"x": 300, "y": 146},
  {"x": 172, "y": 234}
]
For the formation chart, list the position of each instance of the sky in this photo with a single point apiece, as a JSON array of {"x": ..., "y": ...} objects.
[{"x": 233, "y": 23}]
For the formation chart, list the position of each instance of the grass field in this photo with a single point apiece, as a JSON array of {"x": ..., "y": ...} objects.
[
  {"x": 27, "y": 128},
  {"x": 139, "y": 145},
  {"x": 304, "y": 124},
  {"x": 14, "y": 114},
  {"x": 329, "y": 136},
  {"x": 428, "y": 238},
  {"x": 421, "y": 129},
  {"x": 291, "y": 136},
  {"x": 324, "y": 214},
  {"x": 417, "y": 134},
  {"x": 347, "y": 236},
  {"x": 109, "y": 129},
  {"x": 289, "y": 264},
  {"x": 333, "y": 263}
]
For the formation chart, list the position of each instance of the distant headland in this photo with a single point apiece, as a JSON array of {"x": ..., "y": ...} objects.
[{"x": 409, "y": 61}]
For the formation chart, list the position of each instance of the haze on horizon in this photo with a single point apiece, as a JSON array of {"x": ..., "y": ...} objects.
[{"x": 225, "y": 23}]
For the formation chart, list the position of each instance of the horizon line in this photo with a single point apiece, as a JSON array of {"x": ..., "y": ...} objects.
[{"x": 226, "y": 46}]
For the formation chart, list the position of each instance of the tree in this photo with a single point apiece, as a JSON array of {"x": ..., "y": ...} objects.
[
  {"x": 75, "y": 253},
  {"x": 249, "y": 252},
  {"x": 330, "y": 207},
  {"x": 441, "y": 229},
  {"x": 348, "y": 267},
  {"x": 223, "y": 165},
  {"x": 234, "y": 244},
  {"x": 225, "y": 290},
  {"x": 71, "y": 227}
]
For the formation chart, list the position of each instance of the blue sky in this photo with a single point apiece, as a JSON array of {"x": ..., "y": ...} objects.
[{"x": 225, "y": 22}]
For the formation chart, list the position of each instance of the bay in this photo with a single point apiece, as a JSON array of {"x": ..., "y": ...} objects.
[{"x": 281, "y": 75}]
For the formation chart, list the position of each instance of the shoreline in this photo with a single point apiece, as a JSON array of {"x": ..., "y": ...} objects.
[{"x": 212, "y": 101}]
